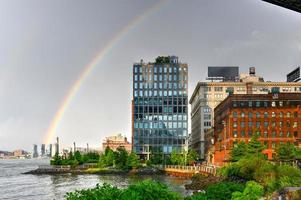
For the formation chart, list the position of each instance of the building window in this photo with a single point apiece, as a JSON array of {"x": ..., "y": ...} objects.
[
  {"x": 234, "y": 133},
  {"x": 288, "y": 114},
  {"x": 280, "y": 124},
  {"x": 288, "y": 124},
  {"x": 242, "y": 114},
  {"x": 265, "y": 124},
  {"x": 265, "y": 134},
  {"x": 265, "y": 104},
  {"x": 257, "y": 115},
  {"x": 280, "y": 134},
  {"x": 281, "y": 114},
  {"x": 295, "y": 133},
  {"x": 296, "y": 114},
  {"x": 273, "y": 103},
  {"x": 234, "y": 124},
  {"x": 265, "y": 114},
  {"x": 280, "y": 103},
  {"x": 250, "y": 115},
  {"x": 234, "y": 104},
  {"x": 242, "y": 133},
  {"x": 273, "y": 124},
  {"x": 218, "y": 89},
  {"x": 250, "y": 133},
  {"x": 288, "y": 134},
  {"x": 242, "y": 124},
  {"x": 250, "y": 124},
  {"x": 257, "y": 124},
  {"x": 234, "y": 114},
  {"x": 295, "y": 125},
  {"x": 257, "y": 103},
  {"x": 273, "y": 134},
  {"x": 250, "y": 104},
  {"x": 273, "y": 114},
  {"x": 273, "y": 145}
]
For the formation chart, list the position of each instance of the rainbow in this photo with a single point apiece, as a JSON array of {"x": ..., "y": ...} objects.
[{"x": 52, "y": 129}]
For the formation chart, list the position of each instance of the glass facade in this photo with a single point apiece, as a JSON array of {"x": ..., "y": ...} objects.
[{"x": 160, "y": 107}]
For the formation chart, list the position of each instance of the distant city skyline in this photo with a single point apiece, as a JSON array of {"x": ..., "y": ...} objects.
[{"x": 45, "y": 46}]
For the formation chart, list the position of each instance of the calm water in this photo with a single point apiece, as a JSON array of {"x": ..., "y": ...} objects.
[{"x": 15, "y": 185}]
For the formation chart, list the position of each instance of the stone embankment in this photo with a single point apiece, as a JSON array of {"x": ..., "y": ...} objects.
[{"x": 92, "y": 169}]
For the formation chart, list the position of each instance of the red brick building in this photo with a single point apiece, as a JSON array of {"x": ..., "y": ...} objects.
[{"x": 274, "y": 117}]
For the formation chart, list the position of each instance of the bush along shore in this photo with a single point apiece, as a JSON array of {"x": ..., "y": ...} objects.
[
  {"x": 112, "y": 162},
  {"x": 249, "y": 176}
]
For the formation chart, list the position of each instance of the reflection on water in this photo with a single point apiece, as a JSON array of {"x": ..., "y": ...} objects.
[{"x": 15, "y": 185}]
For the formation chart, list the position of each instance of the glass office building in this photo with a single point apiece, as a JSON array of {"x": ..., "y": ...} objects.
[{"x": 159, "y": 106}]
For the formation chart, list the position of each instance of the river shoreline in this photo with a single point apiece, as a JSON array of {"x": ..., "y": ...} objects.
[{"x": 93, "y": 170}]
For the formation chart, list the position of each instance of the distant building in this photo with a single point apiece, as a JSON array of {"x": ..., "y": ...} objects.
[
  {"x": 113, "y": 142},
  {"x": 5, "y": 154},
  {"x": 294, "y": 76},
  {"x": 49, "y": 153},
  {"x": 57, "y": 146},
  {"x": 207, "y": 95},
  {"x": 274, "y": 118},
  {"x": 43, "y": 150},
  {"x": 159, "y": 106},
  {"x": 35, "y": 153},
  {"x": 19, "y": 153}
]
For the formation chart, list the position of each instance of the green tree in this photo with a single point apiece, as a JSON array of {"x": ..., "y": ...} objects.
[
  {"x": 71, "y": 156},
  {"x": 132, "y": 161},
  {"x": 192, "y": 156},
  {"x": 285, "y": 152},
  {"x": 253, "y": 191},
  {"x": 239, "y": 151},
  {"x": 175, "y": 157},
  {"x": 120, "y": 158},
  {"x": 78, "y": 157},
  {"x": 254, "y": 147},
  {"x": 57, "y": 160},
  {"x": 156, "y": 158}
]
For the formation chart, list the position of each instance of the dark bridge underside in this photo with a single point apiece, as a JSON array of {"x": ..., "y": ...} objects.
[{"x": 294, "y": 5}]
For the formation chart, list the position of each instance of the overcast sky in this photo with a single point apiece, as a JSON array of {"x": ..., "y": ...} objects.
[{"x": 45, "y": 44}]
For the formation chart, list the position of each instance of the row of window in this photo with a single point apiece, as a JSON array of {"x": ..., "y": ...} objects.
[
  {"x": 160, "y": 125},
  {"x": 159, "y": 69},
  {"x": 165, "y": 77},
  {"x": 265, "y": 114},
  {"x": 160, "y": 93},
  {"x": 160, "y": 133},
  {"x": 265, "y": 134},
  {"x": 265, "y": 104},
  {"x": 155, "y": 85},
  {"x": 254, "y": 89},
  {"x": 160, "y": 101},
  {"x": 266, "y": 124},
  {"x": 176, "y": 117},
  {"x": 273, "y": 145},
  {"x": 158, "y": 149},
  {"x": 160, "y": 109}
]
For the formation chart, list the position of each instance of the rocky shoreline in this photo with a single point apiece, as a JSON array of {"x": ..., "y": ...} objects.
[{"x": 77, "y": 170}]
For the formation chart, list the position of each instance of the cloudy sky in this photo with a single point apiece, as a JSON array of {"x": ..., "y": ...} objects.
[{"x": 44, "y": 46}]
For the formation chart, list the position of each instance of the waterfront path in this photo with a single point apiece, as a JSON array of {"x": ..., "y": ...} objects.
[{"x": 188, "y": 171}]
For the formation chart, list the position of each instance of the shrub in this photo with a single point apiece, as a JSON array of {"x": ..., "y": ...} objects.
[
  {"x": 104, "y": 192},
  {"x": 221, "y": 191},
  {"x": 253, "y": 191},
  {"x": 149, "y": 190}
]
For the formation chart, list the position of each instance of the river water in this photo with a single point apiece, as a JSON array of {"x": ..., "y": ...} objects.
[{"x": 15, "y": 185}]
